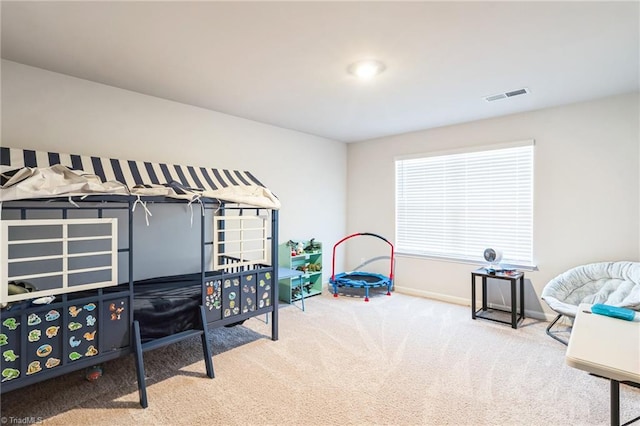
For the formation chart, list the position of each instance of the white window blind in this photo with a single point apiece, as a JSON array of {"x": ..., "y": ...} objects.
[{"x": 454, "y": 206}]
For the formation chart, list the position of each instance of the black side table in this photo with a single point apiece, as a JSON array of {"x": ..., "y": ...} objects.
[{"x": 513, "y": 278}]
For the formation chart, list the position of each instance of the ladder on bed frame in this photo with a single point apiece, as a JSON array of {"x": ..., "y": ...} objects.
[{"x": 139, "y": 348}]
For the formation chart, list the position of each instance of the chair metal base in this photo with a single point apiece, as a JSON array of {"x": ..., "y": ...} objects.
[{"x": 552, "y": 335}]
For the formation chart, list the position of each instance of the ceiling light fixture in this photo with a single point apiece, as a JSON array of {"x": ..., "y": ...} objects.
[{"x": 366, "y": 69}]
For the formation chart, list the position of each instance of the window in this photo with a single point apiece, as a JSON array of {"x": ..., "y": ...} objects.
[{"x": 454, "y": 206}]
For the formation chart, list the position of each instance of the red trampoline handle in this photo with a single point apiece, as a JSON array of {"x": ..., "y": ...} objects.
[{"x": 333, "y": 260}]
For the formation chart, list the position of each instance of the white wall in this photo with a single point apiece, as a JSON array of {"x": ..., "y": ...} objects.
[
  {"x": 43, "y": 110},
  {"x": 587, "y": 158},
  {"x": 586, "y": 192}
]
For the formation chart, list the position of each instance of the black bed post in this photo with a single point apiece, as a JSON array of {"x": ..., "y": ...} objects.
[
  {"x": 274, "y": 263},
  {"x": 136, "y": 339},
  {"x": 206, "y": 346},
  {"x": 203, "y": 242}
]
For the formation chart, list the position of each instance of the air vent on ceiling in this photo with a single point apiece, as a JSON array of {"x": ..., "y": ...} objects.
[{"x": 505, "y": 95}]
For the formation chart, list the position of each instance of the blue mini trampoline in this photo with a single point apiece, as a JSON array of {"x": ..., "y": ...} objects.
[{"x": 360, "y": 279}]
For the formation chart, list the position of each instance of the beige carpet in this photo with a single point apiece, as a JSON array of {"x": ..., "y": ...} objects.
[{"x": 396, "y": 360}]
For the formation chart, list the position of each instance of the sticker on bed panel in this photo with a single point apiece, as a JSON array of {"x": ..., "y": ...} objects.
[
  {"x": 89, "y": 336},
  {"x": 227, "y": 312},
  {"x": 44, "y": 351},
  {"x": 52, "y": 331},
  {"x": 91, "y": 321},
  {"x": 245, "y": 288},
  {"x": 34, "y": 319},
  {"x": 267, "y": 275},
  {"x": 261, "y": 303},
  {"x": 236, "y": 282},
  {"x": 212, "y": 302},
  {"x": 209, "y": 286},
  {"x": 116, "y": 311},
  {"x": 73, "y": 326},
  {"x": 11, "y": 323},
  {"x": 227, "y": 283},
  {"x": 34, "y": 368},
  {"x": 236, "y": 310},
  {"x": 52, "y": 362},
  {"x": 89, "y": 307},
  {"x": 73, "y": 342},
  {"x": 91, "y": 351},
  {"x": 10, "y": 374},
  {"x": 74, "y": 356},
  {"x": 34, "y": 335},
  {"x": 232, "y": 295},
  {"x": 9, "y": 355},
  {"x": 262, "y": 283},
  {"x": 52, "y": 315},
  {"x": 74, "y": 311}
]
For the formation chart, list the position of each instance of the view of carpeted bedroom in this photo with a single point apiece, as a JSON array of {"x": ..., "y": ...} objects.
[
  {"x": 175, "y": 174},
  {"x": 343, "y": 362}
]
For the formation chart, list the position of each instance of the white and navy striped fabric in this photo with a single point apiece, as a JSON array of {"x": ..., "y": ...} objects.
[{"x": 186, "y": 181}]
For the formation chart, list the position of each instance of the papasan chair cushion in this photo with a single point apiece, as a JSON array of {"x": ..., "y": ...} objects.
[{"x": 611, "y": 283}]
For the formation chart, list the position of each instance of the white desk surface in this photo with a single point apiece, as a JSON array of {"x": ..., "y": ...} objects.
[{"x": 605, "y": 346}]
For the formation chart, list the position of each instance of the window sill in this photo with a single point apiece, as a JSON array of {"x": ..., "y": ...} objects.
[{"x": 466, "y": 261}]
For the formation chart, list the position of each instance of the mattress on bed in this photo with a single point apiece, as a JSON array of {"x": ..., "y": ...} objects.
[
  {"x": 167, "y": 305},
  {"x": 163, "y": 305}
]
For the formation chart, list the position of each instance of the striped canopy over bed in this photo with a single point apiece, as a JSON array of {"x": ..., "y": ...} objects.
[{"x": 27, "y": 174}]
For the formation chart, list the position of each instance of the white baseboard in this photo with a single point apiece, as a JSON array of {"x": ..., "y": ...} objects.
[
  {"x": 430, "y": 295},
  {"x": 467, "y": 302}
]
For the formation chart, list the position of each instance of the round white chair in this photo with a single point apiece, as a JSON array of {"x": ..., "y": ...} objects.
[{"x": 610, "y": 283}]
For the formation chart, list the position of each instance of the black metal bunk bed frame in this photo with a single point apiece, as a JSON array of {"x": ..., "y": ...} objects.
[{"x": 123, "y": 337}]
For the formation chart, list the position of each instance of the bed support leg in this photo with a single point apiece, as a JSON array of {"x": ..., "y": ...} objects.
[
  {"x": 206, "y": 347},
  {"x": 142, "y": 384}
]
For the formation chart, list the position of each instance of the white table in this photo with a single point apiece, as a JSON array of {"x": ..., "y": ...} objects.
[{"x": 607, "y": 347}]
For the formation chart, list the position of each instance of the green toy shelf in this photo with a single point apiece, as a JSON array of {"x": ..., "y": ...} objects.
[{"x": 309, "y": 261}]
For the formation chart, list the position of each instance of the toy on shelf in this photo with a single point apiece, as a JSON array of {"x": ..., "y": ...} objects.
[
  {"x": 299, "y": 248},
  {"x": 310, "y": 267},
  {"x": 312, "y": 247},
  {"x": 292, "y": 247}
]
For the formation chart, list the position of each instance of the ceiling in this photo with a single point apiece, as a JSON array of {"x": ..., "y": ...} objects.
[{"x": 284, "y": 63}]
